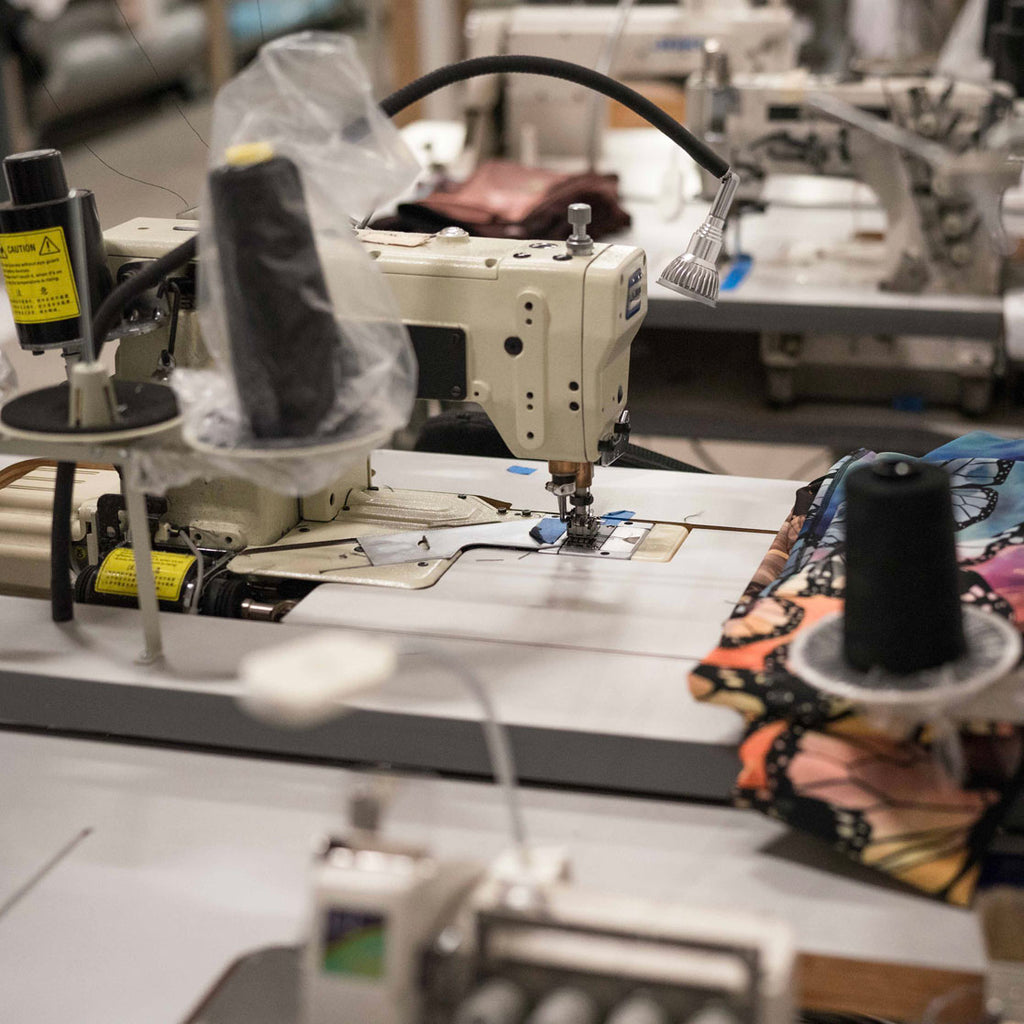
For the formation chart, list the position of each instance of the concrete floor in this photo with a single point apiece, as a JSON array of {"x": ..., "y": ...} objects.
[{"x": 151, "y": 168}]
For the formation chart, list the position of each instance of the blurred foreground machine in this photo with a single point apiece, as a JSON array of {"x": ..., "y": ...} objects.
[
  {"x": 658, "y": 43},
  {"x": 397, "y": 936},
  {"x": 936, "y": 153}
]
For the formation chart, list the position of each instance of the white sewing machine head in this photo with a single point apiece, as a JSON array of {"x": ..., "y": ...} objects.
[
  {"x": 537, "y": 333},
  {"x": 398, "y": 937}
]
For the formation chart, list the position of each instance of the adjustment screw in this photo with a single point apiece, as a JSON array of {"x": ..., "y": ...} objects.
[{"x": 579, "y": 242}]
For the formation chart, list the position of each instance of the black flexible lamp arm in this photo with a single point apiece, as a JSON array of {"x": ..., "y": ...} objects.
[
  {"x": 507, "y": 64},
  {"x": 694, "y": 273}
]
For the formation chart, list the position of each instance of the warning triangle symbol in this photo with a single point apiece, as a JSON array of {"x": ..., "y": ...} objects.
[{"x": 48, "y": 248}]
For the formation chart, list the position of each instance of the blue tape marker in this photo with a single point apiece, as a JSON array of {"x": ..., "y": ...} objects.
[
  {"x": 908, "y": 403},
  {"x": 522, "y": 470},
  {"x": 618, "y": 517},
  {"x": 738, "y": 272},
  {"x": 547, "y": 531}
]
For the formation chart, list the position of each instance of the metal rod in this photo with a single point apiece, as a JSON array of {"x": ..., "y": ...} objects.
[
  {"x": 81, "y": 273},
  {"x": 149, "y": 605},
  {"x": 604, "y": 66}
]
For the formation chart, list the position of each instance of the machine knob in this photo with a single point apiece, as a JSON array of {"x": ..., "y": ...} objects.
[
  {"x": 579, "y": 243},
  {"x": 717, "y": 73},
  {"x": 453, "y": 233}
]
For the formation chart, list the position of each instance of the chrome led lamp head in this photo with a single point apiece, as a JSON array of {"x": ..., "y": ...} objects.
[{"x": 695, "y": 273}]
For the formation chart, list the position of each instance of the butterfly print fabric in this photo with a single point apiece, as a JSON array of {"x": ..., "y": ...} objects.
[{"x": 811, "y": 760}]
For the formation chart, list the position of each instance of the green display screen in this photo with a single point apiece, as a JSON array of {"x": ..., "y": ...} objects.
[{"x": 354, "y": 943}]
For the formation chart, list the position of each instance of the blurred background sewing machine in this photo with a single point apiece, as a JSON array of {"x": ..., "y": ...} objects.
[
  {"x": 936, "y": 154},
  {"x": 819, "y": 253},
  {"x": 655, "y": 46}
]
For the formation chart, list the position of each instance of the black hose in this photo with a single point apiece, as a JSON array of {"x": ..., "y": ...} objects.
[
  {"x": 508, "y": 64},
  {"x": 108, "y": 316},
  {"x": 62, "y": 602},
  {"x": 635, "y": 457},
  {"x": 110, "y": 310}
]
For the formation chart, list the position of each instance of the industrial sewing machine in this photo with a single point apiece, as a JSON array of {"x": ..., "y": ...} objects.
[
  {"x": 935, "y": 154},
  {"x": 536, "y": 333},
  {"x": 655, "y": 43}
]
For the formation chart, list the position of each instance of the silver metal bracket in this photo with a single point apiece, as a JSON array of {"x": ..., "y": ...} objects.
[{"x": 611, "y": 448}]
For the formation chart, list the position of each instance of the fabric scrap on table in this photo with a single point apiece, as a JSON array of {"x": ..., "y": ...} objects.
[{"x": 548, "y": 531}]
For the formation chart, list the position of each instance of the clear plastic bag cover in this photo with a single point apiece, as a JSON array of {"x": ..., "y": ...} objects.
[
  {"x": 8, "y": 378},
  {"x": 308, "y": 98}
]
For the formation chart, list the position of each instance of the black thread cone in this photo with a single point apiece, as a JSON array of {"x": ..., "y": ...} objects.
[
  {"x": 287, "y": 353},
  {"x": 35, "y": 177},
  {"x": 903, "y": 609}
]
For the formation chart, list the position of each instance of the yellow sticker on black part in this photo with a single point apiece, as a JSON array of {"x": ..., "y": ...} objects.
[
  {"x": 38, "y": 276},
  {"x": 117, "y": 574}
]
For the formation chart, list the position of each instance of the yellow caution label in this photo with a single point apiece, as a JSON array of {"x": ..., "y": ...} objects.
[
  {"x": 38, "y": 275},
  {"x": 117, "y": 573}
]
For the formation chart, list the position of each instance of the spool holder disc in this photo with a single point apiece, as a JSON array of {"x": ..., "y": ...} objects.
[
  {"x": 993, "y": 651},
  {"x": 144, "y": 408}
]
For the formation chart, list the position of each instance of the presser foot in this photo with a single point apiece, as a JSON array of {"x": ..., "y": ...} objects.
[
  {"x": 581, "y": 525},
  {"x": 582, "y": 529},
  {"x": 570, "y": 484}
]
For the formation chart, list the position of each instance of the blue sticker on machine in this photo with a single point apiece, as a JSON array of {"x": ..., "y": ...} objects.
[
  {"x": 522, "y": 470},
  {"x": 635, "y": 293},
  {"x": 738, "y": 272},
  {"x": 548, "y": 531}
]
